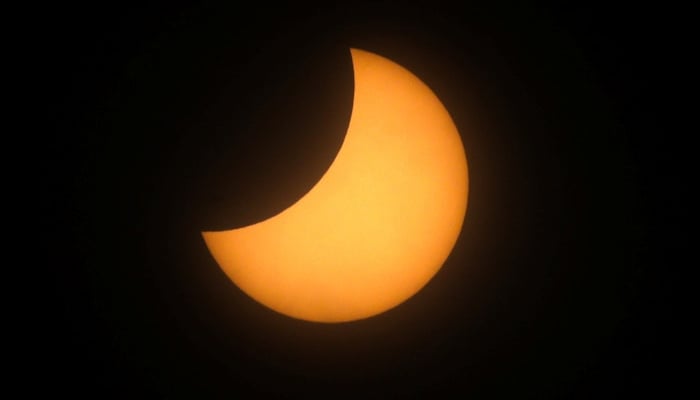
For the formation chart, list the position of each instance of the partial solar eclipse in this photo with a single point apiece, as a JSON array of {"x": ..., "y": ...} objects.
[{"x": 381, "y": 221}]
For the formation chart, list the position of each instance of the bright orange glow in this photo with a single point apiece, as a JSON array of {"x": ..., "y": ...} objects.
[{"x": 378, "y": 225}]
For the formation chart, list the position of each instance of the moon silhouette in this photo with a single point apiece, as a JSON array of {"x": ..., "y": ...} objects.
[{"x": 380, "y": 222}]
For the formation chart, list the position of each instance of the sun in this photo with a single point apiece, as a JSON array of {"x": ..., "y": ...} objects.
[{"x": 378, "y": 225}]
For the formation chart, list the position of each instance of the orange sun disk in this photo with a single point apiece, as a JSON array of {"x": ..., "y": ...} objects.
[{"x": 377, "y": 226}]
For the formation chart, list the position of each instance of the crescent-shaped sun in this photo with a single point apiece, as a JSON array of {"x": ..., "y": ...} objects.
[{"x": 381, "y": 221}]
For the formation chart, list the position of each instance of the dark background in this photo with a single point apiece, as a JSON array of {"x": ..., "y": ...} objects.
[{"x": 168, "y": 119}]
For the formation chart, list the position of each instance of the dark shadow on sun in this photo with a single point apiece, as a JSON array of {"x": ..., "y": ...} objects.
[{"x": 264, "y": 132}]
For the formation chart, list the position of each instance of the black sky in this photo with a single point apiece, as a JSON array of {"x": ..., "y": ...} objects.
[{"x": 170, "y": 119}]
